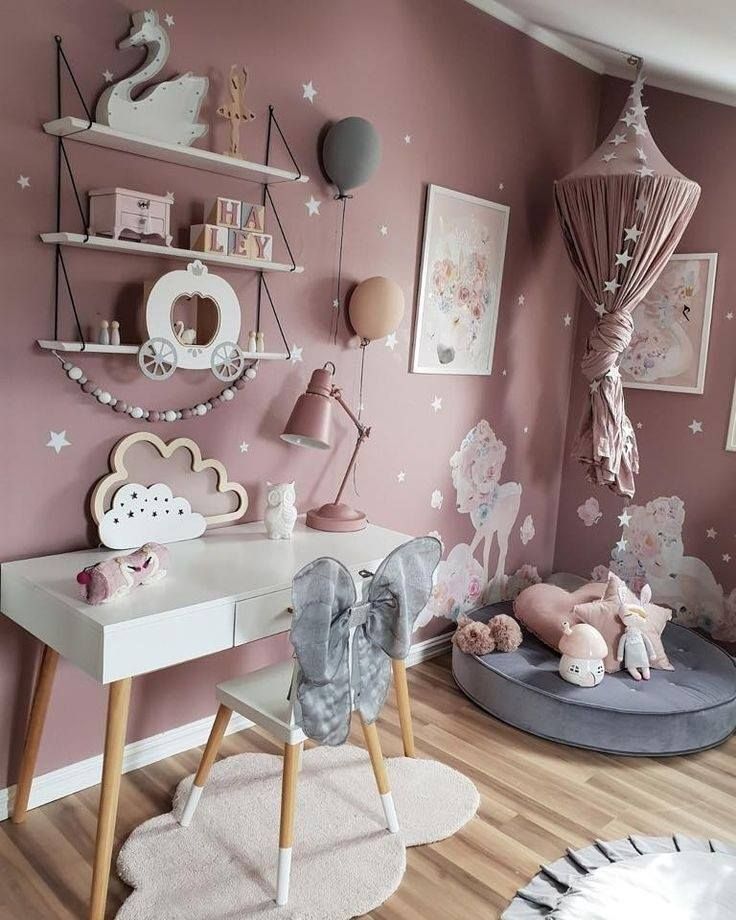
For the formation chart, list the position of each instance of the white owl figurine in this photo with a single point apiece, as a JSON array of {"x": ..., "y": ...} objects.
[{"x": 281, "y": 512}]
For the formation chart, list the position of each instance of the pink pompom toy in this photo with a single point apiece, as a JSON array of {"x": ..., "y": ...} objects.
[
  {"x": 501, "y": 633},
  {"x": 115, "y": 577}
]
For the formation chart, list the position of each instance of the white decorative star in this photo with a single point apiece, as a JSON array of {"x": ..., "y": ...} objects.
[
  {"x": 244, "y": 448},
  {"x": 594, "y": 386},
  {"x": 621, "y": 545},
  {"x": 437, "y": 403},
  {"x": 296, "y": 353},
  {"x": 169, "y": 20},
  {"x": 610, "y": 286},
  {"x": 501, "y": 186},
  {"x": 726, "y": 557},
  {"x": 711, "y": 533},
  {"x": 312, "y": 206},
  {"x": 639, "y": 425},
  {"x": 695, "y": 426},
  {"x": 639, "y": 110},
  {"x": 600, "y": 309},
  {"x": 607, "y": 157},
  {"x": 632, "y": 234},
  {"x": 641, "y": 204},
  {"x": 644, "y": 171},
  {"x": 623, "y": 258},
  {"x": 407, "y": 138},
  {"x": 504, "y": 372},
  {"x": 618, "y": 139},
  {"x": 383, "y": 230},
  {"x": 624, "y": 518},
  {"x": 629, "y": 119},
  {"x": 391, "y": 341},
  {"x": 309, "y": 91},
  {"x": 567, "y": 319},
  {"x": 108, "y": 75},
  {"x": 436, "y": 500},
  {"x": 23, "y": 181},
  {"x": 637, "y": 86},
  {"x": 641, "y": 154},
  {"x": 57, "y": 441},
  {"x": 640, "y": 130},
  {"x": 400, "y": 476},
  {"x": 729, "y": 315},
  {"x": 521, "y": 300},
  {"x": 526, "y": 429},
  {"x": 170, "y": 196},
  {"x": 336, "y": 304}
]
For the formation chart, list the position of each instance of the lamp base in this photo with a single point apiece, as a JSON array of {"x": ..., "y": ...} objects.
[{"x": 338, "y": 518}]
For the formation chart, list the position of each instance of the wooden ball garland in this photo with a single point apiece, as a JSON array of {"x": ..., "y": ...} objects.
[{"x": 105, "y": 398}]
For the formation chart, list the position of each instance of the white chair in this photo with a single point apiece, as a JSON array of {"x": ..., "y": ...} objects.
[{"x": 269, "y": 697}]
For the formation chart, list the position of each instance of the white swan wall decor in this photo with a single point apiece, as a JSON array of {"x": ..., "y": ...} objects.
[{"x": 165, "y": 112}]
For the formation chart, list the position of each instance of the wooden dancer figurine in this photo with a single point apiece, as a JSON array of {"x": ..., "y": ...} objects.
[{"x": 236, "y": 111}]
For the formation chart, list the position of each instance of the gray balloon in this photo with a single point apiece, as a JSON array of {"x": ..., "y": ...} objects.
[{"x": 351, "y": 152}]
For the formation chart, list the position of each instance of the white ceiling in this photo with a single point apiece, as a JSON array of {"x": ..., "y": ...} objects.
[{"x": 687, "y": 46}]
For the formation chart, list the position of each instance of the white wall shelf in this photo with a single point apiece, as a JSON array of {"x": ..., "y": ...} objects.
[
  {"x": 107, "y": 244},
  {"x": 93, "y": 348},
  {"x": 78, "y": 129}
]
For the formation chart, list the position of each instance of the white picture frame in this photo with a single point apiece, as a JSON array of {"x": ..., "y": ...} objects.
[
  {"x": 691, "y": 348},
  {"x": 731, "y": 436},
  {"x": 468, "y": 234}
]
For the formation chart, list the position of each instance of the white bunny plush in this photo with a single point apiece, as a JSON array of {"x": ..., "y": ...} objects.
[
  {"x": 281, "y": 512},
  {"x": 635, "y": 648}
]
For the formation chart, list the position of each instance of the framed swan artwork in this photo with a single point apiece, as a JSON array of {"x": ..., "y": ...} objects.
[
  {"x": 460, "y": 284},
  {"x": 669, "y": 345}
]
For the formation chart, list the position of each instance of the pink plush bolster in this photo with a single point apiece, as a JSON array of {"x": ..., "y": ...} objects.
[
  {"x": 542, "y": 608},
  {"x": 115, "y": 577}
]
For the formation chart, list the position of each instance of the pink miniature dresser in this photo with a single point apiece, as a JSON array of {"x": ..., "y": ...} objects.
[{"x": 128, "y": 215}]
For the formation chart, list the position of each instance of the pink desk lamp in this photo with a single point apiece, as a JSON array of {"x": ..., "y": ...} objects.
[{"x": 309, "y": 426}]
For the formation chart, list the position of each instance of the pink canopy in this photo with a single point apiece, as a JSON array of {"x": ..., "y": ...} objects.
[{"x": 622, "y": 214}]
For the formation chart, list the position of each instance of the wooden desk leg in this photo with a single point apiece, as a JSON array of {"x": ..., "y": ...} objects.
[
  {"x": 117, "y": 722},
  {"x": 39, "y": 708},
  {"x": 402, "y": 701}
]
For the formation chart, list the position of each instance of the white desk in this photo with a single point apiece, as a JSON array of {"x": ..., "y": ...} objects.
[{"x": 227, "y": 588}]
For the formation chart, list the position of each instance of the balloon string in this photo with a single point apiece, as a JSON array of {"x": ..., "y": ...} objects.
[{"x": 336, "y": 310}]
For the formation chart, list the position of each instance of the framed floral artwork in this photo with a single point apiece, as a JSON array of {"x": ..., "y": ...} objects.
[
  {"x": 731, "y": 436},
  {"x": 460, "y": 284},
  {"x": 669, "y": 346}
]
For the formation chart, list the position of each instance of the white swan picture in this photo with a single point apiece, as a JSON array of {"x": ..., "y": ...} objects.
[{"x": 167, "y": 111}]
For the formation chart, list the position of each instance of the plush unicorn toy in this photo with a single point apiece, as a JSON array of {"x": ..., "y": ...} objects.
[
  {"x": 635, "y": 648},
  {"x": 114, "y": 578}
]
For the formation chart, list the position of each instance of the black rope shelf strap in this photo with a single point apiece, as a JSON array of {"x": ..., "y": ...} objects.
[{"x": 62, "y": 159}]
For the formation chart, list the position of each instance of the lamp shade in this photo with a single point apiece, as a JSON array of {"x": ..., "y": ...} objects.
[
  {"x": 309, "y": 422},
  {"x": 376, "y": 308}
]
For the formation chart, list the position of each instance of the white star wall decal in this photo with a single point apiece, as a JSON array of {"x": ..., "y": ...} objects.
[
  {"x": 729, "y": 315},
  {"x": 108, "y": 75},
  {"x": 169, "y": 20},
  {"x": 244, "y": 448},
  {"x": 521, "y": 300},
  {"x": 695, "y": 426},
  {"x": 309, "y": 92},
  {"x": 23, "y": 181},
  {"x": 501, "y": 186},
  {"x": 407, "y": 138},
  {"x": 312, "y": 206},
  {"x": 383, "y": 230},
  {"x": 391, "y": 341},
  {"x": 296, "y": 353},
  {"x": 711, "y": 533},
  {"x": 726, "y": 557},
  {"x": 57, "y": 441},
  {"x": 437, "y": 403},
  {"x": 567, "y": 319},
  {"x": 400, "y": 476}
]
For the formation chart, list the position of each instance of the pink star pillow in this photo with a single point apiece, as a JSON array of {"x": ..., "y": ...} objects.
[{"x": 603, "y": 614}]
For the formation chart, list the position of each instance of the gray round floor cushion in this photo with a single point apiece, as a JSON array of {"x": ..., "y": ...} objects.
[{"x": 675, "y": 712}]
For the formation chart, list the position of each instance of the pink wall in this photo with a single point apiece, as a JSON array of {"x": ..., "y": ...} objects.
[
  {"x": 484, "y": 106},
  {"x": 698, "y": 137}
]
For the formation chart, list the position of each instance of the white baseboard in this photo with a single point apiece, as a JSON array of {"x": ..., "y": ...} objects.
[{"x": 86, "y": 773}]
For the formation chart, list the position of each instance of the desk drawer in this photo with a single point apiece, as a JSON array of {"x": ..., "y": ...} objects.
[
  {"x": 147, "y": 645},
  {"x": 262, "y": 616}
]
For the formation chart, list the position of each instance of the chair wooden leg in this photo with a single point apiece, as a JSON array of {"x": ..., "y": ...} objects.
[
  {"x": 39, "y": 708},
  {"x": 117, "y": 723},
  {"x": 217, "y": 733},
  {"x": 401, "y": 688},
  {"x": 372, "y": 742},
  {"x": 292, "y": 754}
]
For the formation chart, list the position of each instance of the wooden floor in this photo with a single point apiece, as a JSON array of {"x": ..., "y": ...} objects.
[{"x": 536, "y": 799}]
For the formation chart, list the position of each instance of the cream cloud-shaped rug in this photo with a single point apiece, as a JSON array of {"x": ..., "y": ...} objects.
[{"x": 223, "y": 867}]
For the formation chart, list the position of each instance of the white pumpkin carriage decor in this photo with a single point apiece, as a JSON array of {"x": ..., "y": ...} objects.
[{"x": 166, "y": 348}]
